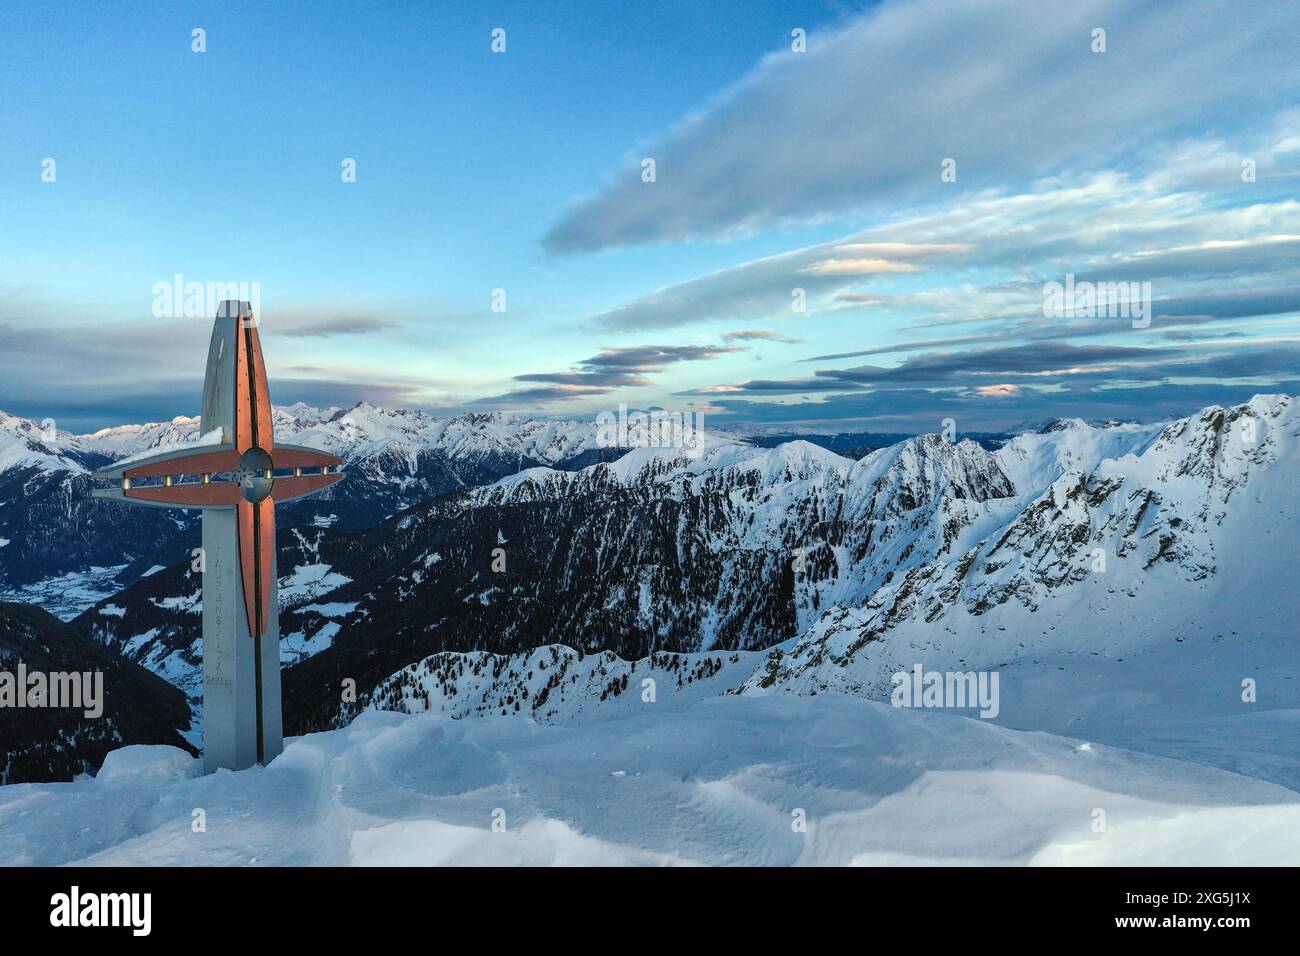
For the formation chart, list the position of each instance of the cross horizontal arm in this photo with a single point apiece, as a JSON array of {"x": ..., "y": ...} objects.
[
  {"x": 190, "y": 494},
  {"x": 300, "y": 456},
  {"x": 286, "y": 489},
  {"x": 181, "y": 461}
]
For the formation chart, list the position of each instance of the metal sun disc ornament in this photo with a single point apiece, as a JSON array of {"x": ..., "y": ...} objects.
[{"x": 255, "y": 474}]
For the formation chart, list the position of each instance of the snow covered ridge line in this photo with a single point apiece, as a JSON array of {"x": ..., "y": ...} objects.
[
  {"x": 361, "y": 431},
  {"x": 978, "y": 557},
  {"x": 1157, "y": 533},
  {"x": 366, "y": 430},
  {"x": 558, "y": 682},
  {"x": 953, "y": 535},
  {"x": 657, "y": 428},
  {"x": 207, "y": 439},
  {"x": 552, "y": 683}
]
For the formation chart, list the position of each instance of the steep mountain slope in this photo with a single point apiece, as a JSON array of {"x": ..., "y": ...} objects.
[
  {"x": 555, "y": 683},
  {"x": 44, "y": 743},
  {"x": 1117, "y": 539},
  {"x": 49, "y": 524},
  {"x": 734, "y": 549}
]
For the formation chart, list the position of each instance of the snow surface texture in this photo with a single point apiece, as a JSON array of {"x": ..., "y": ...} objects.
[{"x": 723, "y": 780}]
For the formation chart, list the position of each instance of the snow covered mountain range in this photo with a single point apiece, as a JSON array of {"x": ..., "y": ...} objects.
[
  {"x": 1075, "y": 542},
  {"x": 787, "y": 567},
  {"x": 1129, "y": 535},
  {"x": 394, "y": 459}
]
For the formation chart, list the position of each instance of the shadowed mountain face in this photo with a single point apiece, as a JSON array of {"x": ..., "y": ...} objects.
[
  {"x": 46, "y": 743},
  {"x": 392, "y": 460},
  {"x": 736, "y": 550},
  {"x": 54, "y": 527}
]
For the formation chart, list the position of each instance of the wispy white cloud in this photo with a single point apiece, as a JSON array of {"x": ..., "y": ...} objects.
[
  {"x": 1010, "y": 89},
  {"x": 769, "y": 287},
  {"x": 747, "y": 335},
  {"x": 612, "y": 368}
]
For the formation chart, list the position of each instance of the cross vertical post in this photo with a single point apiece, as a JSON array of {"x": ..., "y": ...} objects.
[{"x": 232, "y": 478}]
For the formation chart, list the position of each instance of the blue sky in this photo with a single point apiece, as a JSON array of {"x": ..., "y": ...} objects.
[{"x": 776, "y": 170}]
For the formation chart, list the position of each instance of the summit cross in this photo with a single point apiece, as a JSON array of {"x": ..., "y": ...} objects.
[{"x": 237, "y": 473}]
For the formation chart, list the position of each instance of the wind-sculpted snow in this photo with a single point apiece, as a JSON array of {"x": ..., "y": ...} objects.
[{"x": 724, "y": 780}]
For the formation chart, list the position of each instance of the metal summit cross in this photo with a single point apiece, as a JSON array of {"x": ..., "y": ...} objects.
[{"x": 235, "y": 462}]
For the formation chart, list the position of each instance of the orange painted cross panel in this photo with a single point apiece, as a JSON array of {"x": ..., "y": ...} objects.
[
  {"x": 257, "y": 561},
  {"x": 286, "y": 489},
  {"x": 196, "y": 464},
  {"x": 261, "y": 391},
  {"x": 190, "y": 495},
  {"x": 243, "y": 396},
  {"x": 304, "y": 458}
]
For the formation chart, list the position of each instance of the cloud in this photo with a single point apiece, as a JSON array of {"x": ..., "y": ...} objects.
[
  {"x": 857, "y": 267},
  {"x": 653, "y": 358},
  {"x": 1040, "y": 369},
  {"x": 1045, "y": 362},
  {"x": 1168, "y": 314},
  {"x": 789, "y": 386},
  {"x": 1107, "y": 227},
  {"x": 149, "y": 372},
  {"x": 116, "y": 370},
  {"x": 1204, "y": 259},
  {"x": 344, "y": 393},
  {"x": 610, "y": 369},
  {"x": 880, "y": 258},
  {"x": 330, "y": 326},
  {"x": 746, "y": 335},
  {"x": 762, "y": 288},
  {"x": 526, "y": 396},
  {"x": 903, "y": 250},
  {"x": 862, "y": 298},
  {"x": 1041, "y": 360},
  {"x": 1207, "y": 258},
  {"x": 1007, "y": 88},
  {"x": 912, "y": 411}
]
